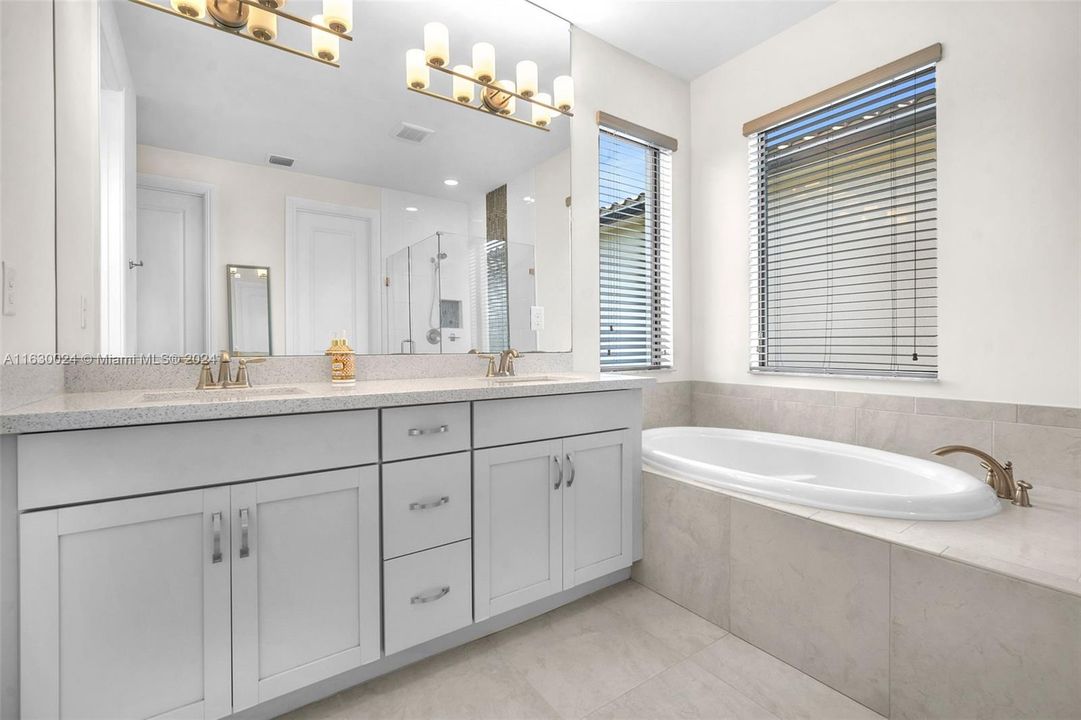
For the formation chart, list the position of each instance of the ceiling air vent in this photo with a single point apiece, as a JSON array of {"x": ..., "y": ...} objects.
[
  {"x": 280, "y": 160},
  {"x": 412, "y": 133}
]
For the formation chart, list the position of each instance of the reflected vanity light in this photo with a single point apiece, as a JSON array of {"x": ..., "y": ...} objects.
[
  {"x": 497, "y": 97},
  {"x": 450, "y": 182},
  {"x": 324, "y": 44},
  {"x": 436, "y": 44},
  {"x": 411, "y": 209},
  {"x": 260, "y": 19}
]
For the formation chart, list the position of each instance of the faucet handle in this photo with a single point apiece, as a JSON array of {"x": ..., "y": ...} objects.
[
  {"x": 242, "y": 371},
  {"x": 486, "y": 356},
  {"x": 1021, "y": 497}
]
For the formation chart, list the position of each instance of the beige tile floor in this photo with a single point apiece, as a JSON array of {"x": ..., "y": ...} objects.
[{"x": 625, "y": 652}]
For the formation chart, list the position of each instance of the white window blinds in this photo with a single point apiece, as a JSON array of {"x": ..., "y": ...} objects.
[
  {"x": 635, "y": 252},
  {"x": 843, "y": 236}
]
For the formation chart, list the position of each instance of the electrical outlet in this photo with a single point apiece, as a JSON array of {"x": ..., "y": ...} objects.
[
  {"x": 10, "y": 288},
  {"x": 536, "y": 318}
]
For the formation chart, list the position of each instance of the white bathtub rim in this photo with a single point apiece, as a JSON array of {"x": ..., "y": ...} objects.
[{"x": 756, "y": 486}]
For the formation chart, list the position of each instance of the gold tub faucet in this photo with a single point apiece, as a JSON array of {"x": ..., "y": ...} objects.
[{"x": 999, "y": 476}]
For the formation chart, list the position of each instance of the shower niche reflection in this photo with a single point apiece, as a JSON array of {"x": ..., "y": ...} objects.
[{"x": 449, "y": 293}]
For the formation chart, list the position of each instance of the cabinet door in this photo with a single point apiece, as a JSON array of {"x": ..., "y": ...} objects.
[
  {"x": 125, "y": 608},
  {"x": 596, "y": 506},
  {"x": 517, "y": 526},
  {"x": 305, "y": 580}
]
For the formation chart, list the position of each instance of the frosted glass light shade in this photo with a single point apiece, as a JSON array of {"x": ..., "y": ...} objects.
[
  {"x": 417, "y": 75},
  {"x": 563, "y": 90},
  {"x": 436, "y": 44},
  {"x": 338, "y": 15},
  {"x": 542, "y": 115},
  {"x": 526, "y": 72},
  {"x": 324, "y": 44},
  {"x": 191, "y": 8},
  {"x": 463, "y": 88},
  {"x": 262, "y": 25},
  {"x": 484, "y": 62}
]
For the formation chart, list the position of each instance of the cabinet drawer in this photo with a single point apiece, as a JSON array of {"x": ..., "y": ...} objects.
[
  {"x": 522, "y": 420},
  {"x": 65, "y": 468},
  {"x": 410, "y": 432},
  {"x": 426, "y": 503},
  {"x": 426, "y": 595}
]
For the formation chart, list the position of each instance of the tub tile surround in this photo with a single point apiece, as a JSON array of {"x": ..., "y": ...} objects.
[
  {"x": 814, "y": 597},
  {"x": 1027, "y": 640},
  {"x": 911, "y": 632},
  {"x": 1043, "y": 442}
]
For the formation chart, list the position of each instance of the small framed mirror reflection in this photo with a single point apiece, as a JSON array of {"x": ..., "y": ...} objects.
[{"x": 249, "y": 310}]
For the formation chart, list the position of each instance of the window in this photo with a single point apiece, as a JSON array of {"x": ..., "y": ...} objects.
[
  {"x": 843, "y": 234},
  {"x": 635, "y": 247}
]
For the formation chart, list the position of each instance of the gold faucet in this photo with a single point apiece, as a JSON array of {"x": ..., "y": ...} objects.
[
  {"x": 490, "y": 372},
  {"x": 225, "y": 375},
  {"x": 506, "y": 362},
  {"x": 999, "y": 476},
  {"x": 242, "y": 379}
]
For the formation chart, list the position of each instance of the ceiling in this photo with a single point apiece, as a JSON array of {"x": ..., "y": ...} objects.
[
  {"x": 686, "y": 38},
  {"x": 204, "y": 92}
]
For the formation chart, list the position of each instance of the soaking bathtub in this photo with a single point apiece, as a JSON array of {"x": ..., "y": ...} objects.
[{"x": 817, "y": 473}]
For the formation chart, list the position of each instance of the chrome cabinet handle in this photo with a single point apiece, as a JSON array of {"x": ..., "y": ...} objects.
[
  {"x": 215, "y": 524},
  {"x": 244, "y": 549},
  {"x": 429, "y": 505},
  {"x": 415, "y": 432},
  {"x": 421, "y": 599},
  {"x": 559, "y": 479},
  {"x": 570, "y": 467}
]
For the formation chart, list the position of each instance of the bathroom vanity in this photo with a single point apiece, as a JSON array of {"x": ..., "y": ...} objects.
[{"x": 203, "y": 567}]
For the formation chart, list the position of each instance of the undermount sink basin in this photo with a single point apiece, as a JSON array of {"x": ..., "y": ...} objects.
[
  {"x": 222, "y": 394},
  {"x": 509, "y": 379}
]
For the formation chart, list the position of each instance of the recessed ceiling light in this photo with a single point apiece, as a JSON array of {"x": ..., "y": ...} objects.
[
  {"x": 411, "y": 209},
  {"x": 529, "y": 199},
  {"x": 451, "y": 182}
]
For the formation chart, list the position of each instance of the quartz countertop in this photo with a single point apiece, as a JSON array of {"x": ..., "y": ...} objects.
[{"x": 80, "y": 411}]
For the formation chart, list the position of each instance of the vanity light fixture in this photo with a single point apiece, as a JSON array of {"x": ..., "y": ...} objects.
[
  {"x": 257, "y": 20},
  {"x": 497, "y": 97}
]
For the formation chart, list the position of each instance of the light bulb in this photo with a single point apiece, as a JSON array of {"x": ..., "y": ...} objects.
[
  {"x": 484, "y": 62},
  {"x": 563, "y": 90},
  {"x": 416, "y": 70},
  {"x": 526, "y": 72},
  {"x": 190, "y": 8},
  {"x": 542, "y": 115},
  {"x": 436, "y": 44},
  {"x": 463, "y": 87},
  {"x": 262, "y": 25},
  {"x": 324, "y": 44},
  {"x": 338, "y": 15}
]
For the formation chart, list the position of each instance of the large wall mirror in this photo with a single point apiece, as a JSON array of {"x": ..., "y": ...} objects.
[{"x": 260, "y": 202}]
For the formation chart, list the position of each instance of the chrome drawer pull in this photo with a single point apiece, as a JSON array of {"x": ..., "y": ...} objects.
[
  {"x": 429, "y": 505},
  {"x": 215, "y": 524},
  {"x": 421, "y": 599},
  {"x": 244, "y": 550},
  {"x": 570, "y": 467},
  {"x": 559, "y": 478},
  {"x": 416, "y": 432}
]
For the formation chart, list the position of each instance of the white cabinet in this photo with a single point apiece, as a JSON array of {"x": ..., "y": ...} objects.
[
  {"x": 548, "y": 516},
  {"x": 305, "y": 580},
  {"x": 125, "y": 608},
  {"x": 201, "y": 603}
]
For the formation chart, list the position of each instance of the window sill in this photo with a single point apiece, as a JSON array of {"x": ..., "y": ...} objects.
[{"x": 842, "y": 376}]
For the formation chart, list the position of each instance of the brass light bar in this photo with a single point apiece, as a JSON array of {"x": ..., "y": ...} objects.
[
  {"x": 296, "y": 19},
  {"x": 478, "y": 108},
  {"x": 239, "y": 33},
  {"x": 496, "y": 88}
]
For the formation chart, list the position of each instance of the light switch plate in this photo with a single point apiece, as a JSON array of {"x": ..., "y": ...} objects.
[
  {"x": 7, "y": 273},
  {"x": 536, "y": 318}
]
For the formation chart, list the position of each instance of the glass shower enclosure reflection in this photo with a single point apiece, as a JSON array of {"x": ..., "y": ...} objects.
[{"x": 450, "y": 293}]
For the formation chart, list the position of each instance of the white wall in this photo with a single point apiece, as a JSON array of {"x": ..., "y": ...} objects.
[
  {"x": 27, "y": 230},
  {"x": 1009, "y": 229},
  {"x": 250, "y": 218},
  {"x": 609, "y": 80}
]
